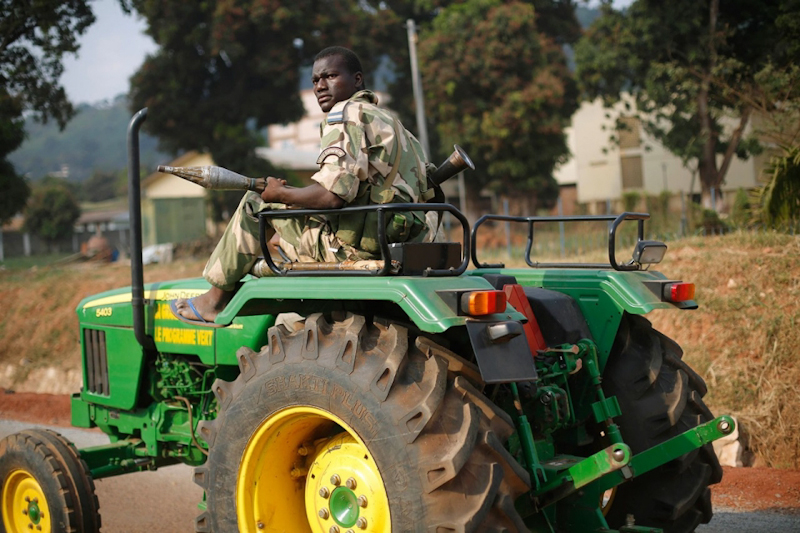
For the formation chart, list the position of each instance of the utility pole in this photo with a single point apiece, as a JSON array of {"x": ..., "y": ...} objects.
[{"x": 422, "y": 127}]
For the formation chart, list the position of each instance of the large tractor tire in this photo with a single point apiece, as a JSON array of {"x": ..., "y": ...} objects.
[
  {"x": 660, "y": 397},
  {"x": 45, "y": 486},
  {"x": 343, "y": 426}
]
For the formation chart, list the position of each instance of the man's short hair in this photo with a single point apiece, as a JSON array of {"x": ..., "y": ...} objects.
[{"x": 350, "y": 58}]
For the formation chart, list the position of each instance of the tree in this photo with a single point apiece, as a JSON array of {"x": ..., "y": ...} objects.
[
  {"x": 34, "y": 36},
  {"x": 103, "y": 185},
  {"x": 499, "y": 87},
  {"x": 778, "y": 201},
  {"x": 693, "y": 69},
  {"x": 12, "y": 133},
  {"x": 554, "y": 18},
  {"x": 52, "y": 210},
  {"x": 225, "y": 70}
]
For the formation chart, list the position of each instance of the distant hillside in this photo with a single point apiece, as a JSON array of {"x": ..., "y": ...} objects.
[
  {"x": 95, "y": 139},
  {"x": 586, "y": 15}
]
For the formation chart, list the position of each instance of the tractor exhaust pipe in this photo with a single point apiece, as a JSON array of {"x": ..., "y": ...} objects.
[{"x": 135, "y": 209}]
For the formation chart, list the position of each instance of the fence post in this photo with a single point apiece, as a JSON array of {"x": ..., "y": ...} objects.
[
  {"x": 508, "y": 229},
  {"x": 684, "y": 218},
  {"x": 26, "y": 244},
  {"x": 561, "y": 225},
  {"x": 2, "y": 254}
]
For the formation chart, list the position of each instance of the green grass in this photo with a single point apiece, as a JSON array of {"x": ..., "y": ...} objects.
[{"x": 25, "y": 263}]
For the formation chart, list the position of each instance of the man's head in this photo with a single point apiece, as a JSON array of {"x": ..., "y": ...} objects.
[{"x": 336, "y": 76}]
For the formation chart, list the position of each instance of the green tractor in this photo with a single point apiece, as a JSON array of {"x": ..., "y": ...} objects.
[{"x": 418, "y": 395}]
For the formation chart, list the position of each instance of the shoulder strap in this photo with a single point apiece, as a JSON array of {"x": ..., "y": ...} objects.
[
  {"x": 336, "y": 114},
  {"x": 396, "y": 164}
]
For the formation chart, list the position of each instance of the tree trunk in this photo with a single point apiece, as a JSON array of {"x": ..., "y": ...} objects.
[
  {"x": 709, "y": 176},
  {"x": 736, "y": 136}
]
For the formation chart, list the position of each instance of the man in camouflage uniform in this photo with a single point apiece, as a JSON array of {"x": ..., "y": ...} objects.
[{"x": 367, "y": 157}]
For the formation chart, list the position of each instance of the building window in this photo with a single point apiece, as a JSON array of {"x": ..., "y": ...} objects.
[
  {"x": 629, "y": 133},
  {"x": 631, "y": 167}
]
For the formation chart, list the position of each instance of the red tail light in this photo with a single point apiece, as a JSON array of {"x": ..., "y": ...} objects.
[{"x": 681, "y": 292}]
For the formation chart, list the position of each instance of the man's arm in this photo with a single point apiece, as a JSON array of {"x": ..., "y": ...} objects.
[{"x": 314, "y": 196}]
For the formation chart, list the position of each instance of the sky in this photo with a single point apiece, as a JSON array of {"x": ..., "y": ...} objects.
[{"x": 113, "y": 48}]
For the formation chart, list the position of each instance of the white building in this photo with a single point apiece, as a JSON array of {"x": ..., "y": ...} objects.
[{"x": 603, "y": 171}]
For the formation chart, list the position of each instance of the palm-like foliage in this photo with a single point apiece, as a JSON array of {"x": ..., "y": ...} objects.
[{"x": 778, "y": 201}]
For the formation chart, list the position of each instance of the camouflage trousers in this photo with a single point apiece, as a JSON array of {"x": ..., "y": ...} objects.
[{"x": 301, "y": 238}]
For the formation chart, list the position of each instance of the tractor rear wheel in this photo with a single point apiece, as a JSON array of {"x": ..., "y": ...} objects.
[
  {"x": 342, "y": 426},
  {"x": 660, "y": 397},
  {"x": 45, "y": 486}
]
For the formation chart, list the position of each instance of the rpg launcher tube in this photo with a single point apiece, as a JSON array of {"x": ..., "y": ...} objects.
[{"x": 217, "y": 178}]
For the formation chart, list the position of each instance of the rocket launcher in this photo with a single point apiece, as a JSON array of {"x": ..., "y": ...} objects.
[{"x": 216, "y": 178}]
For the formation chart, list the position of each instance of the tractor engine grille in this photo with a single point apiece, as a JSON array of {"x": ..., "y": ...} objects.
[{"x": 94, "y": 342}]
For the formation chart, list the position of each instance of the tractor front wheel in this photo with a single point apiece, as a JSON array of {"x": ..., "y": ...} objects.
[
  {"x": 45, "y": 486},
  {"x": 343, "y": 426}
]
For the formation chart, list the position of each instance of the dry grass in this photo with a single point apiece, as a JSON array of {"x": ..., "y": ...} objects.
[
  {"x": 744, "y": 337},
  {"x": 38, "y": 323},
  {"x": 743, "y": 340}
]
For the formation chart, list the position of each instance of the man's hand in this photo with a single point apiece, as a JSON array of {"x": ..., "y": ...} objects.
[{"x": 273, "y": 190}]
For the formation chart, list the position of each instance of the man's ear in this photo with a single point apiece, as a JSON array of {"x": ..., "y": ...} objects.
[{"x": 359, "y": 77}]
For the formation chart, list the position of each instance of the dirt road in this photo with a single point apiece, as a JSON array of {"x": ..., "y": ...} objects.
[{"x": 164, "y": 501}]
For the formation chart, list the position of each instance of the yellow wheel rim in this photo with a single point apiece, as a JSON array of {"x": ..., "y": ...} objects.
[
  {"x": 305, "y": 470},
  {"x": 24, "y": 505}
]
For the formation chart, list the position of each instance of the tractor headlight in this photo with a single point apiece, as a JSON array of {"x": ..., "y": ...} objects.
[{"x": 649, "y": 252}]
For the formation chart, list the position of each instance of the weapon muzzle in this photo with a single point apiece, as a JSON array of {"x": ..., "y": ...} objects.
[{"x": 458, "y": 161}]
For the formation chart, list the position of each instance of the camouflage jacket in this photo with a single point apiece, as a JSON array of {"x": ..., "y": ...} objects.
[{"x": 359, "y": 162}]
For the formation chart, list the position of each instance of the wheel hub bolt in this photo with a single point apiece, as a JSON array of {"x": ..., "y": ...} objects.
[
  {"x": 25, "y": 512},
  {"x": 334, "y": 529},
  {"x": 351, "y": 483},
  {"x": 324, "y": 492},
  {"x": 260, "y": 525},
  {"x": 618, "y": 454},
  {"x": 362, "y": 501},
  {"x": 362, "y": 523},
  {"x": 336, "y": 480},
  {"x": 324, "y": 514}
]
